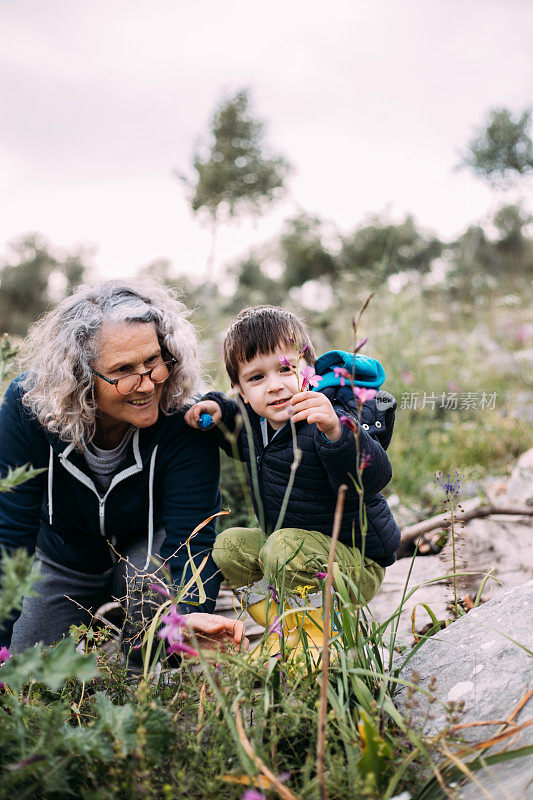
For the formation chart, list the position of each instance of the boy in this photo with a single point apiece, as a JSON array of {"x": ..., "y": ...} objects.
[{"x": 261, "y": 349}]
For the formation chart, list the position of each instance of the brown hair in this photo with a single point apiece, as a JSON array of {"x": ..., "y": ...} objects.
[{"x": 260, "y": 330}]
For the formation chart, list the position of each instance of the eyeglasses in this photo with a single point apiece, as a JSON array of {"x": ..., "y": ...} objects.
[{"x": 129, "y": 383}]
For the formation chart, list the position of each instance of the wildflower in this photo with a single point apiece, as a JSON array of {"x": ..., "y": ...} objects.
[
  {"x": 303, "y": 591},
  {"x": 348, "y": 421},
  {"x": 360, "y": 345},
  {"x": 174, "y": 625},
  {"x": 286, "y": 363},
  {"x": 181, "y": 647},
  {"x": 161, "y": 590},
  {"x": 273, "y": 593},
  {"x": 451, "y": 490},
  {"x": 343, "y": 374},
  {"x": 364, "y": 394},
  {"x": 5, "y": 655},
  {"x": 275, "y": 627},
  {"x": 321, "y": 575},
  {"x": 365, "y": 461},
  {"x": 173, "y": 633},
  {"x": 309, "y": 378},
  {"x": 251, "y": 794}
]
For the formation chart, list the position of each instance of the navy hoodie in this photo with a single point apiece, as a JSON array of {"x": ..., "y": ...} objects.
[{"x": 169, "y": 480}]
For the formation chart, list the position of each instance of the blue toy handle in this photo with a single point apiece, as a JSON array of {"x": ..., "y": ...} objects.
[{"x": 205, "y": 421}]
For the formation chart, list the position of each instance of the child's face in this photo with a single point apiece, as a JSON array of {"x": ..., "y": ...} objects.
[{"x": 268, "y": 385}]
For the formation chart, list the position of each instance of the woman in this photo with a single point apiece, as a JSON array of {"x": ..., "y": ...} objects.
[{"x": 100, "y": 408}]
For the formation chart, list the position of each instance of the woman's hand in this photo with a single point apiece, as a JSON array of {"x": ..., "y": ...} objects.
[
  {"x": 203, "y": 407},
  {"x": 215, "y": 632},
  {"x": 315, "y": 407}
]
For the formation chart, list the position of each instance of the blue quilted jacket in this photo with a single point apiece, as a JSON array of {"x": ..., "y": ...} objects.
[{"x": 324, "y": 466}]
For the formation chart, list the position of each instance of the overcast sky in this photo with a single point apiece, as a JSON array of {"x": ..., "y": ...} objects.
[{"x": 371, "y": 100}]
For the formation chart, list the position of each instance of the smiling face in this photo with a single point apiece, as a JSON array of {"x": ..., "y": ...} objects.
[
  {"x": 124, "y": 348},
  {"x": 268, "y": 385}
]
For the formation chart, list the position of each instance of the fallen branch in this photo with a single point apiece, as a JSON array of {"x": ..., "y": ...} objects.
[{"x": 472, "y": 509}]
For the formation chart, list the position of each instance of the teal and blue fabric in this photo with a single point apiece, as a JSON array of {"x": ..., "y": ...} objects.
[{"x": 368, "y": 371}]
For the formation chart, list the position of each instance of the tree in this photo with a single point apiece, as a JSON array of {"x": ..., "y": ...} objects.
[
  {"x": 381, "y": 249},
  {"x": 236, "y": 175},
  {"x": 254, "y": 286},
  {"x": 32, "y": 279},
  {"x": 502, "y": 151},
  {"x": 303, "y": 252}
]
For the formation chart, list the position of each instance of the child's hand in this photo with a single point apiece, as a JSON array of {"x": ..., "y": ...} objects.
[
  {"x": 315, "y": 407},
  {"x": 203, "y": 407}
]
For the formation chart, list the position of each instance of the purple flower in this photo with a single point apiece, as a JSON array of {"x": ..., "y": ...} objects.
[
  {"x": 364, "y": 394},
  {"x": 343, "y": 374},
  {"x": 348, "y": 421},
  {"x": 172, "y": 631},
  {"x": 180, "y": 647},
  {"x": 321, "y": 575},
  {"x": 251, "y": 794},
  {"x": 451, "y": 490},
  {"x": 156, "y": 587},
  {"x": 273, "y": 593},
  {"x": 275, "y": 627},
  {"x": 309, "y": 378},
  {"x": 5, "y": 655},
  {"x": 360, "y": 345},
  {"x": 286, "y": 363},
  {"x": 366, "y": 459}
]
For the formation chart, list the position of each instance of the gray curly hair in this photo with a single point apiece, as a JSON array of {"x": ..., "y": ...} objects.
[{"x": 61, "y": 346}]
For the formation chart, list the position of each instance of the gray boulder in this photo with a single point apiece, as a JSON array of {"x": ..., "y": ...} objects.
[{"x": 475, "y": 661}]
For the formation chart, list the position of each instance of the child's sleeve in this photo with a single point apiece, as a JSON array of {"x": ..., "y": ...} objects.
[
  {"x": 230, "y": 410},
  {"x": 340, "y": 460}
]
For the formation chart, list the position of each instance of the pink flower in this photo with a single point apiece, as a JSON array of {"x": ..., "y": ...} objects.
[
  {"x": 343, "y": 374},
  {"x": 180, "y": 647},
  {"x": 348, "y": 421},
  {"x": 365, "y": 461},
  {"x": 321, "y": 575},
  {"x": 251, "y": 794},
  {"x": 286, "y": 363},
  {"x": 364, "y": 394},
  {"x": 173, "y": 628},
  {"x": 309, "y": 378},
  {"x": 161, "y": 590},
  {"x": 5, "y": 655},
  {"x": 360, "y": 345}
]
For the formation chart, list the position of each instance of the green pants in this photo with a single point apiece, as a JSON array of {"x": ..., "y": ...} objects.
[{"x": 245, "y": 556}]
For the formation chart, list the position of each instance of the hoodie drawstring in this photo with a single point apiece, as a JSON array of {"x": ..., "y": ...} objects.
[
  {"x": 50, "y": 484},
  {"x": 150, "y": 509}
]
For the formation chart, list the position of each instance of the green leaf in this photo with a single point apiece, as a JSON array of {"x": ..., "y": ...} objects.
[
  {"x": 17, "y": 476},
  {"x": 52, "y": 666}
]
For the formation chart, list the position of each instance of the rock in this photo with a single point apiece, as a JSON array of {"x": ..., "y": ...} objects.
[
  {"x": 495, "y": 543},
  {"x": 474, "y": 661},
  {"x": 519, "y": 488}
]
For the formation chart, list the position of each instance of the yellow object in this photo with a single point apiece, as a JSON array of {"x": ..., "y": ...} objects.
[
  {"x": 310, "y": 624},
  {"x": 297, "y": 625}
]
